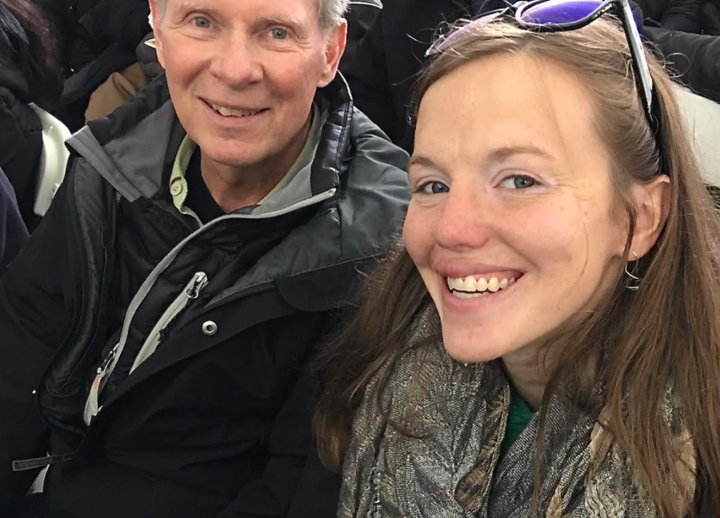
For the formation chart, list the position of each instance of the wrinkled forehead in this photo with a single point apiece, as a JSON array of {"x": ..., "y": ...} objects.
[{"x": 306, "y": 7}]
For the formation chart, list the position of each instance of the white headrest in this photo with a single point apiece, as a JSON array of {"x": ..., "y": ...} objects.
[{"x": 53, "y": 159}]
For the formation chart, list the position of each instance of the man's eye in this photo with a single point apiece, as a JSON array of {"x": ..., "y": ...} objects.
[
  {"x": 202, "y": 22},
  {"x": 433, "y": 188},
  {"x": 518, "y": 181},
  {"x": 279, "y": 34}
]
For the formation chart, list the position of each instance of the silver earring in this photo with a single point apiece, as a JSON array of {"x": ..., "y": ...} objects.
[{"x": 633, "y": 283}]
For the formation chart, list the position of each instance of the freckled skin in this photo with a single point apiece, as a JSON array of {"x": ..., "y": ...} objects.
[{"x": 563, "y": 232}]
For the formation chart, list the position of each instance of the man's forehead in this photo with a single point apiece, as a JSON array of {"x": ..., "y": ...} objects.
[{"x": 290, "y": 10}]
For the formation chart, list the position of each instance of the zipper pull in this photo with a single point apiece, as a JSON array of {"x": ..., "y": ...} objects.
[
  {"x": 92, "y": 405},
  {"x": 199, "y": 281}
]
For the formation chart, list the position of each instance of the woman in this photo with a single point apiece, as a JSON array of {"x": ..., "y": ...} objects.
[
  {"x": 547, "y": 341},
  {"x": 29, "y": 73}
]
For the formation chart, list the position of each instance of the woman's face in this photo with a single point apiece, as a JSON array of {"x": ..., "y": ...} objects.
[{"x": 513, "y": 222}]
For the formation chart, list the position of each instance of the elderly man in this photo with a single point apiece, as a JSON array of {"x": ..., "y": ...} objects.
[{"x": 155, "y": 331}]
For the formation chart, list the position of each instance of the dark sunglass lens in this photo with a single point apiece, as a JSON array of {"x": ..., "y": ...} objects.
[{"x": 560, "y": 11}]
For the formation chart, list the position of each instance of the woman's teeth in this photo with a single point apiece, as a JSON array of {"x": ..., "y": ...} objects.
[{"x": 470, "y": 287}]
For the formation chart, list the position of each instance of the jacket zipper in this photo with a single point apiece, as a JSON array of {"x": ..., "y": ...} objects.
[
  {"x": 188, "y": 294},
  {"x": 92, "y": 406}
]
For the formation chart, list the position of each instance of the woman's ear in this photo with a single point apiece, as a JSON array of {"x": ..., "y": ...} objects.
[{"x": 652, "y": 205}]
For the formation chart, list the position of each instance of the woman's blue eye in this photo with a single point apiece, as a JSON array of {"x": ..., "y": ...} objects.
[
  {"x": 434, "y": 188},
  {"x": 279, "y": 34},
  {"x": 518, "y": 181},
  {"x": 202, "y": 22}
]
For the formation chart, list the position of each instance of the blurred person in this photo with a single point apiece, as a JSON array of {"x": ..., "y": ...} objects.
[
  {"x": 97, "y": 38},
  {"x": 13, "y": 233},
  {"x": 29, "y": 73},
  {"x": 207, "y": 236},
  {"x": 546, "y": 342}
]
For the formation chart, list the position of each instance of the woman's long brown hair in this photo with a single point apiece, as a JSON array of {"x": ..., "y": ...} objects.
[{"x": 665, "y": 336}]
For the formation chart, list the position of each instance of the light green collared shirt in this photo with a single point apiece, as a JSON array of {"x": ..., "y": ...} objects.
[{"x": 179, "y": 186}]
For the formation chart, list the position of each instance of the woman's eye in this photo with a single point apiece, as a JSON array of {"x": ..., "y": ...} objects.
[
  {"x": 518, "y": 181},
  {"x": 433, "y": 188},
  {"x": 202, "y": 22},
  {"x": 279, "y": 34}
]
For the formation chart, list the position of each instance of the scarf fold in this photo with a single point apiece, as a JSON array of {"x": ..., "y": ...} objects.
[{"x": 446, "y": 462}]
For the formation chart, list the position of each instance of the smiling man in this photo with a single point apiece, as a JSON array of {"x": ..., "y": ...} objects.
[{"x": 157, "y": 328}]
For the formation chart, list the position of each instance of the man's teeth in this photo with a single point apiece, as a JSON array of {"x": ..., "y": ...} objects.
[
  {"x": 227, "y": 112},
  {"x": 470, "y": 287}
]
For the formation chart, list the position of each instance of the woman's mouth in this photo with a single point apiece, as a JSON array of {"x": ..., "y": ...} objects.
[{"x": 474, "y": 286}]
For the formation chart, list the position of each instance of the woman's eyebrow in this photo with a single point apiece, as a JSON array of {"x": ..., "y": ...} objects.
[{"x": 505, "y": 152}]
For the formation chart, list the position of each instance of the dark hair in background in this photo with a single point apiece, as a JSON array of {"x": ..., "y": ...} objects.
[{"x": 25, "y": 38}]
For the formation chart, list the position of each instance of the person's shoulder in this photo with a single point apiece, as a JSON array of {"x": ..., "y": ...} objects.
[{"x": 369, "y": 140}]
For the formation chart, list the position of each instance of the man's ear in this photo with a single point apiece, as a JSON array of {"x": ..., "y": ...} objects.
[
  {"x": 334, "y": 48},
  {"x": 156, "y": 17},
  {"x": 652, "y": 205}
]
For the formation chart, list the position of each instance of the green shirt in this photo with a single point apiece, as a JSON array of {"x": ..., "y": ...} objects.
[
  {"x": 519, "y": 415},
  {"x": 179, "y": 186}
]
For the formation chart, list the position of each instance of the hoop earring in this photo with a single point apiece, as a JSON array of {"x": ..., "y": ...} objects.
[{"x": 633, "y": 283}]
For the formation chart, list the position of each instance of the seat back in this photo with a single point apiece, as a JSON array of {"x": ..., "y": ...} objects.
[
  {"x": 53, "y": 159},
  {"x": 702, "y": 117}
]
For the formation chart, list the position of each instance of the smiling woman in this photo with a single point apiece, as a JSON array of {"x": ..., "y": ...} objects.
[{"x": 559, "y": 256}]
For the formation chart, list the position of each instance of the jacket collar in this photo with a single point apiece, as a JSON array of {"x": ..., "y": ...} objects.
[{"x": 125, "y": 150}]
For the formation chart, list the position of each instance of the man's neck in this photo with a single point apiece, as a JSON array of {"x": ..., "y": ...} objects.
[{"x": 233, "y": 187}]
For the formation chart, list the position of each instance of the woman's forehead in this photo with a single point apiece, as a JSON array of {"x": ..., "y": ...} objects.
[{"x": 507, "y": 100}]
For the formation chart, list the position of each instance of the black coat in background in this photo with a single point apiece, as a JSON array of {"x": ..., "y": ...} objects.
[
  {"x": 97, "y": 38},
  {"x": 13, "y": 233},
  {"x": 20, "y": 138},
  {"x": 695, "y": 57},
  {"x": 382, "y": 74},
  {"x": 359, "y": 17},
  {"x": 384, "y": 71}
]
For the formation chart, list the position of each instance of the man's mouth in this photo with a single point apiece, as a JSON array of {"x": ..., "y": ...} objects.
[{"x": 234, "y": 112}]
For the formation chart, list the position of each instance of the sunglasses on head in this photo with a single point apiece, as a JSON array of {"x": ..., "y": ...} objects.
[{"x": 568, "y": 15}]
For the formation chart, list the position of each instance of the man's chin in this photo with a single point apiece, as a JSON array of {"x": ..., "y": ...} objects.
[{"x": 239, "y": 158}]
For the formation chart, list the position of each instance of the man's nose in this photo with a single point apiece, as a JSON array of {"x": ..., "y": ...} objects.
[
  {"x": 237, "y": 64},
  {"x": 465, "y": 221}
]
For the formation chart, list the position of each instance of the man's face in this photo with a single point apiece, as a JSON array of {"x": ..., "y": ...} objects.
[{"x": 242, "y": 74}]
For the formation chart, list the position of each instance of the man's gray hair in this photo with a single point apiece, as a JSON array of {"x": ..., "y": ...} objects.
[{"x": 330, "y": 12}]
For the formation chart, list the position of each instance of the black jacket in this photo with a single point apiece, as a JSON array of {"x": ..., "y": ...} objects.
[
  {"x": 13, "y": 233},
  {"x": 216, "y": 421},
  {"x": 694, "y": 57},
  {"x": 86, "y": 28},
  {"x": 20, "y": 137},
  {"x": 359, "y": 16},
  {"x": 98, "y": 38},
  {"x": 383, "y": 73}
]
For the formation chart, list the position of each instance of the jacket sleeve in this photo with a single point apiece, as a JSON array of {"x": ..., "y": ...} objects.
[
  {"x": 368, "y": 79},
  {"x": 35, "y": 316},
  {"x": 13, "y": 233},
  {"x": 20, "y": 148},
  {"x": 295, "y": 484},
  {"x": 696, "y": 57},
  {"x": 683, "y": 15}
]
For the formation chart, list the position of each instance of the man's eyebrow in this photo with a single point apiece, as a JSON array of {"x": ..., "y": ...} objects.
[{"x": 280, "y": 20}]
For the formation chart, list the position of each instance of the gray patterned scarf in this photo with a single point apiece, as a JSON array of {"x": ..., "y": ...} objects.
[{"x": 450, "y": 465}]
